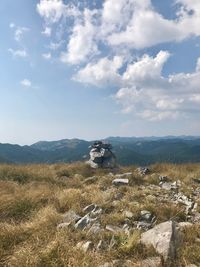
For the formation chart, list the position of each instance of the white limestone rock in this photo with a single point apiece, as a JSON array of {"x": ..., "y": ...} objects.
[{"x": 164, "y": 238}]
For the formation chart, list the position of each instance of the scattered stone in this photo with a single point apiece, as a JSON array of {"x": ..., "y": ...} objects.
[
  {"x": 128, "y": 214},
  {"x": 188, "y": 202},
  {"x": 196, "y": 218},
  {"x": 95, "y": 229},
  {"x": 164, "y": 238},
  {"x": 146, "y": 220},
  {"x": 85, "y": 246},
  {"x": 90, "y": 208},
  {"x": 196, "y": 180},
  {"x": 143, "y": 225},
  {"x": 71, "y": 217},
  {"x": 126, "y": 229},
  {"x": 118, "y": 195},
  {"x": 83, "y": 222},
  {"x": 151, "y": 262},
  {"x": 146, "y": 216},
  {"x": 143, "y": 170},
  {"x": 169, "y": 186},
  {"x": 163, "y": 178},
  {"x": 101, "y": 245},
  {"x": 120, "y": 182},
  {"x": 101, "y": 156}
]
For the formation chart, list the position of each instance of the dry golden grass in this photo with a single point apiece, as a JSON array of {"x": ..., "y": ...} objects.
[{"x": 33, "y": 199}]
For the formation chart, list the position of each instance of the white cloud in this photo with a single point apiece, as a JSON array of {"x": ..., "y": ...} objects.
[
  {"x": 133, "y": 24},
  {"x": 47, "y": 31},
  {"x": 26, "y": 83},
  {"x": 154, "y": 97},
  {"x": 18, "y": 53},
  {"x": 82, "y": 43},
  {"x": 19, "y": 32},
  {"x": 101, "y": 73},
  {"x": 53, "y": 10},
  {"x": 146, "y": 27},
  {"x": 122, "y": 27},
  {"x": 46, "y": 56},
  {"x": 146, "y": 68}
]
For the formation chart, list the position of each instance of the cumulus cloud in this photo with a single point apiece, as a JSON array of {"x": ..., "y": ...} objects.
[
  {"x": 155, "y": 97},
  {"x": 82, "y": 42},
  {"x": 101, "y": 73},
  {"x": 53, "y": 10},
  {"x": 131, "y": 23},
  {"x": 18, "y": 53},
  {"x": 146, "y": 27},
  {"x": 100, "y": 39}
]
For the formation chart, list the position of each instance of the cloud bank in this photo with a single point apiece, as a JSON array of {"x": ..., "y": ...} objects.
[{"x": 102, "y": 41}]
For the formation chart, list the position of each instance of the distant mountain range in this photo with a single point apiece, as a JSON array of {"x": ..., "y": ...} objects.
[{"x": 128, "y": 150}]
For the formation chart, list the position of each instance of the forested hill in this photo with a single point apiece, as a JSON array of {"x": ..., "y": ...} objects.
[{"x": 128, "y": 151}]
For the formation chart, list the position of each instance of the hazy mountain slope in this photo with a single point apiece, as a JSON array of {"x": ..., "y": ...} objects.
[
  {"x": 128, "y": 151},
  {"x": 65, "y": 143},
  {"x": 20, "y": 154}
]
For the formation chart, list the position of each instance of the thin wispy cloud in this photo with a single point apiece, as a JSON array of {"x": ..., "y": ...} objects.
[
  {"x": 46, "y": 56},
  {"x": 47, "y": 31},
  {"x": 18, "y": 52},
  {"x": 26, "y": 83},
  {"x": 18, "y": 31}
]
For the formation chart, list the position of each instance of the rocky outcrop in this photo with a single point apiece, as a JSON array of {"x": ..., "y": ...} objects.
[
  {"x": 164, "y": 238},
  {"x": 101, "y": 156}
]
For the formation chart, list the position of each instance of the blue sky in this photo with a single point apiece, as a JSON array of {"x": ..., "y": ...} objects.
[{"x": 92, "y": 69}]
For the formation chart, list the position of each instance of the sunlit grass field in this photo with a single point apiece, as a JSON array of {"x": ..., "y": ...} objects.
[{"x": 34, "y": 198}]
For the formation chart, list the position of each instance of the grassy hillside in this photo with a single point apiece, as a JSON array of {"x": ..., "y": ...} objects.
[{"x": 34, "y": 199}]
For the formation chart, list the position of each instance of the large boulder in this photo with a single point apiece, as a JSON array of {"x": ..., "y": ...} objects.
[{"x": 164, "y": 238}]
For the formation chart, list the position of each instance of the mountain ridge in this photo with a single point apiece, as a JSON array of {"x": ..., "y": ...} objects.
[{"x": 129, "y": 150}]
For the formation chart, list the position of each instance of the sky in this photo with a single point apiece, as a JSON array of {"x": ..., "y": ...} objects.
[{"x": 91, "y": 69}]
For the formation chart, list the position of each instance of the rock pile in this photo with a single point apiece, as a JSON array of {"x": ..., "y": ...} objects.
[
  {"x": 101, "y": 155},
  {"x": 166, "y": 237}
]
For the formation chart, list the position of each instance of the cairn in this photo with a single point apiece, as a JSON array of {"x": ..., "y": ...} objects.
[{"x": 101, "y": 155}]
